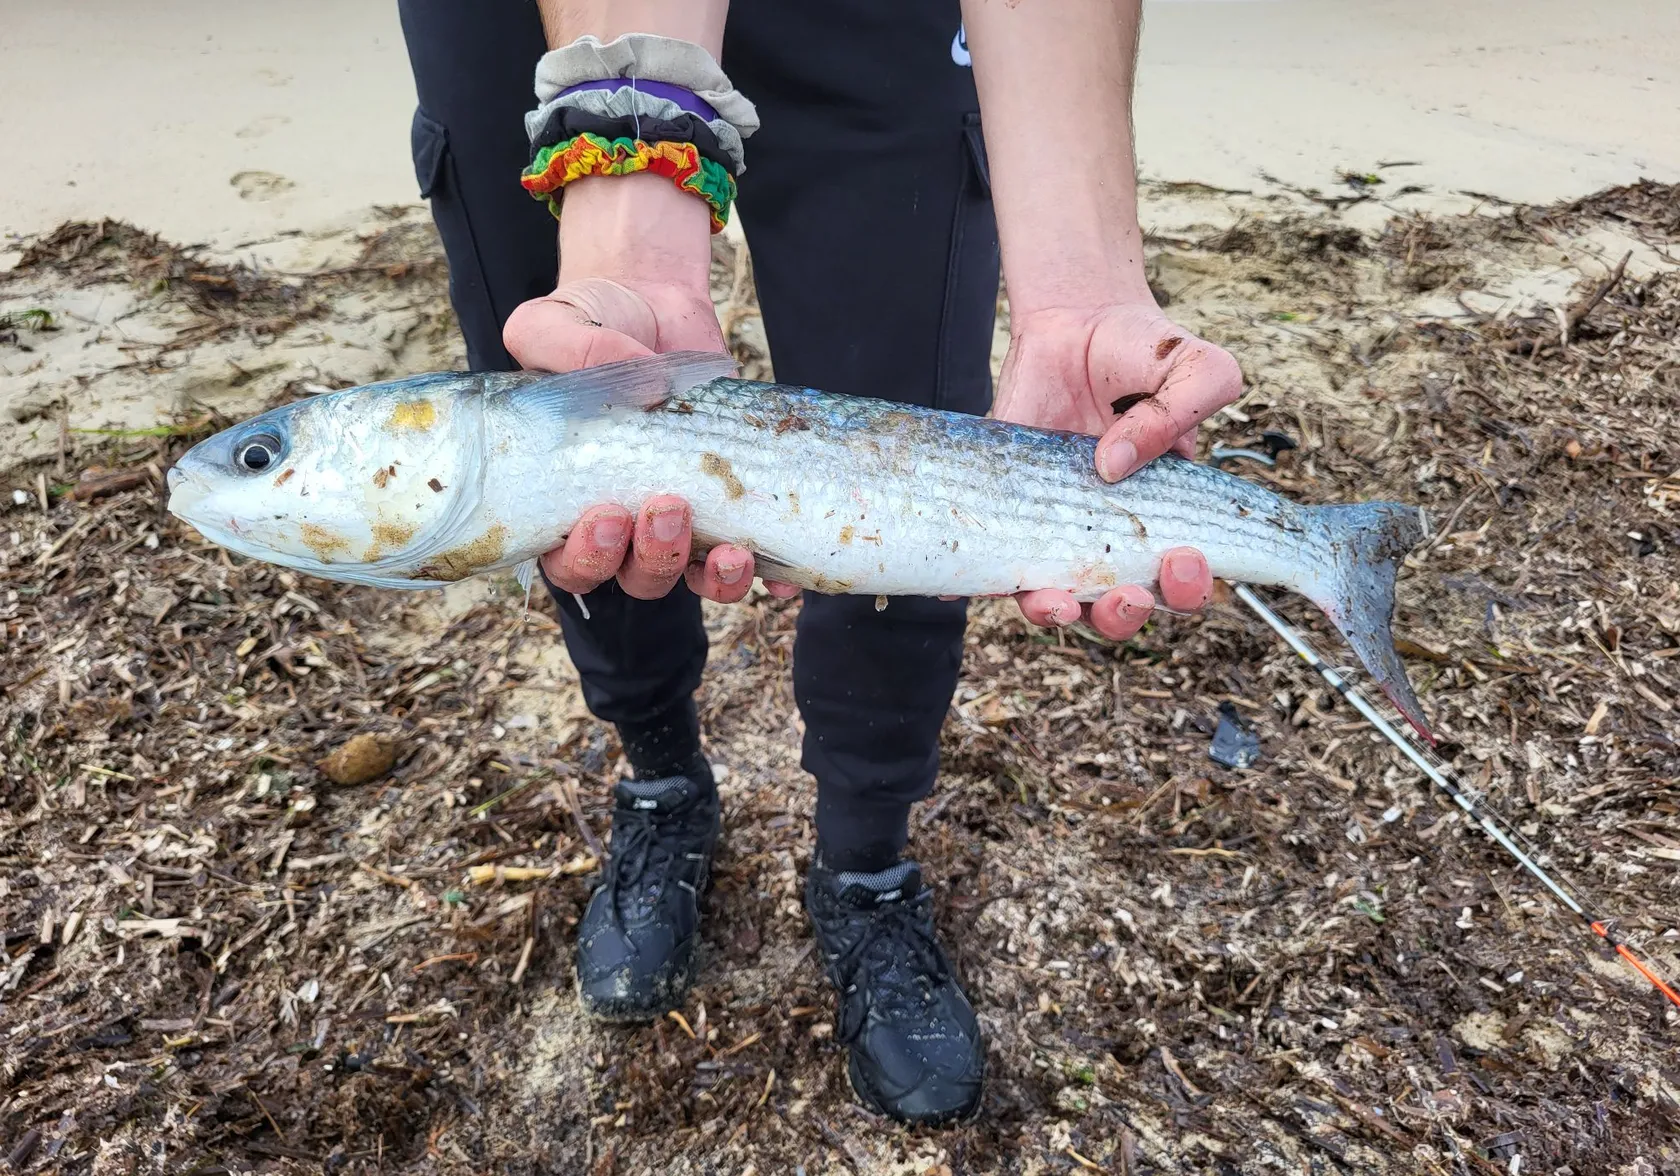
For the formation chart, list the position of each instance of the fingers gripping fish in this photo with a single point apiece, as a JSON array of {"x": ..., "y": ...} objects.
[{"x": 419, "y": 482}]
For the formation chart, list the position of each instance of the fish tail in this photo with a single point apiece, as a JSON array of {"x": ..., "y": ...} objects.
[{"x": 1370, "y": 541}]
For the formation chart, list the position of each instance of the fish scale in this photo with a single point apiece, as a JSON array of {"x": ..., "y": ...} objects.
[
  {"x": 416, "y": 482},
  {"x": 1052, "y": 527}
]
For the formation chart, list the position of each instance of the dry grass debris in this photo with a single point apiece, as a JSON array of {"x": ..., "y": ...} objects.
[{"x": 217, "y": 960}]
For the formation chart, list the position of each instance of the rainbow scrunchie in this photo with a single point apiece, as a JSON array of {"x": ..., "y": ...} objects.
[{"x": 594, "y": 155}]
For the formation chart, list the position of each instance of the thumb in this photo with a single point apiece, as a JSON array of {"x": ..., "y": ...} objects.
[
  {"x": 582, "y": 324},
  {"x": 1199, "y": 380}
]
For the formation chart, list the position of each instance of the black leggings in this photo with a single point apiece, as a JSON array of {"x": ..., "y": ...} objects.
[{"x": 868, "y": 209}]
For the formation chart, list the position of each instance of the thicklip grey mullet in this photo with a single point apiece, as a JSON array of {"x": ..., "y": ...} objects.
[{"x": 418, "y": 482}]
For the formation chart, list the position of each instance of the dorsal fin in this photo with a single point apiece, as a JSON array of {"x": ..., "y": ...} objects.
[{"x": 636, "y": 384}]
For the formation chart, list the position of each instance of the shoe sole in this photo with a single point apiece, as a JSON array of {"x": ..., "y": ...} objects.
[
  {"x": 953, "y": 1119},
  {"x": 613, "y": 1013}
]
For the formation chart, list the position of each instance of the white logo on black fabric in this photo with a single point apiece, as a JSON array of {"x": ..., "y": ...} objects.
[{"x": 959, "y": 47}]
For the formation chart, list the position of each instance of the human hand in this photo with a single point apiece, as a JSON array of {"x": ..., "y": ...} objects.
[
  {"x": 1069, "y": 370},
  {"x": 615, "y": 304}
]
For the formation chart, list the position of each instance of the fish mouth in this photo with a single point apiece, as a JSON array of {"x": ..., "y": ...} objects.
[
  {"x": 186, "y": 491},
  {"x": 196, "y": 498},
  {"x": 189, "y": 495}
]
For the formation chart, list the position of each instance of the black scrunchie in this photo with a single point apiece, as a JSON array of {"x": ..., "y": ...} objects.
[{"x": 565, "y": 123}]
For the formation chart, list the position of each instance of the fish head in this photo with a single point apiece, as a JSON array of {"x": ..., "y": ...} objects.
[{"x": 360, "y": 484}]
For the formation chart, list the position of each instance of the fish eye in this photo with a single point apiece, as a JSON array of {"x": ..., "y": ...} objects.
[{"x": 256, "y": 454}]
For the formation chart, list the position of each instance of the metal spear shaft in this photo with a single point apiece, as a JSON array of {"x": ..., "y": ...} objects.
[{"x": 1442, "y": 780}]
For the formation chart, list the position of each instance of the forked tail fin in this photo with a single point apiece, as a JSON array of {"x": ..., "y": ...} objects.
[{"x": 1370, "y": 540}]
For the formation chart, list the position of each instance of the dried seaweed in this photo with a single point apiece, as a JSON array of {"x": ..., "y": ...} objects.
[{"x": 217, "y": 959}]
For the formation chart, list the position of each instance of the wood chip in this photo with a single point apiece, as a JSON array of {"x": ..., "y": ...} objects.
[
  {"x": 1599, "y": 711},
  {"x": 524, "y": 959},
  {"x": 1172, "y": 1064},
  {"x": 1652, "y": 697},
  {"x": 166, "y": 928},
  {"x": 478, "y": 875}
]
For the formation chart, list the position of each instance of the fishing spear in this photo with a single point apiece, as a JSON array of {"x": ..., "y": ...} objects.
[{"x": 1444, "y": 779}]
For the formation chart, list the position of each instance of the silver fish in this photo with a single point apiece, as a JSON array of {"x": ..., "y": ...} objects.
[{"x": 418, "y": 482}]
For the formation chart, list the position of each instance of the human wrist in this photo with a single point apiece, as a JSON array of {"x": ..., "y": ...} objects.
[
  {"x": 1070, "y": 242},
  {"x": 1077, "y": 271},
  {"x": 701, "y": 23},
  {"x": 635, "y": 229}
]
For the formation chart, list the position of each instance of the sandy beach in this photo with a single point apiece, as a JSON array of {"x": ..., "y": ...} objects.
[
  {"x": 278, "y": 137},
  {"x": 235, "y": 121},
  {"x": 290, "y": 870}
]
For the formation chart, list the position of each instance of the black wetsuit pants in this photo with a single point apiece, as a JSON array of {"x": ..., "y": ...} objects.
[{"x": 867, "y": 207}]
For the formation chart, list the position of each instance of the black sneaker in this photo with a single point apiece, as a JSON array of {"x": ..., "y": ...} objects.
[
  {"x": 636, "y": 940},
  {"x": 915, "y": 1051}
]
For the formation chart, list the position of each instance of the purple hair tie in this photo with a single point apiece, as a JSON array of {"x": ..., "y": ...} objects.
[{"x": 687, "y": 99}]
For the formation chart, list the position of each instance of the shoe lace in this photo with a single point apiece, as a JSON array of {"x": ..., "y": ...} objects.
[
  {"x": 899, "y": 957},
  {"x": 639, "y": 860}
]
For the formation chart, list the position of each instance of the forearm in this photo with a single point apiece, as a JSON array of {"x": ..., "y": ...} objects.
[
  {"x": 634, "y": 228},
  {"x": 701, "y": 21},
  {"x": 1055, "y": 84}
]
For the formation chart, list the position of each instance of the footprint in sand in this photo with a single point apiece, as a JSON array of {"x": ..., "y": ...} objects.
[
  {"x": 259, "y": 185},
  {"x": 259, "y": 127}
]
